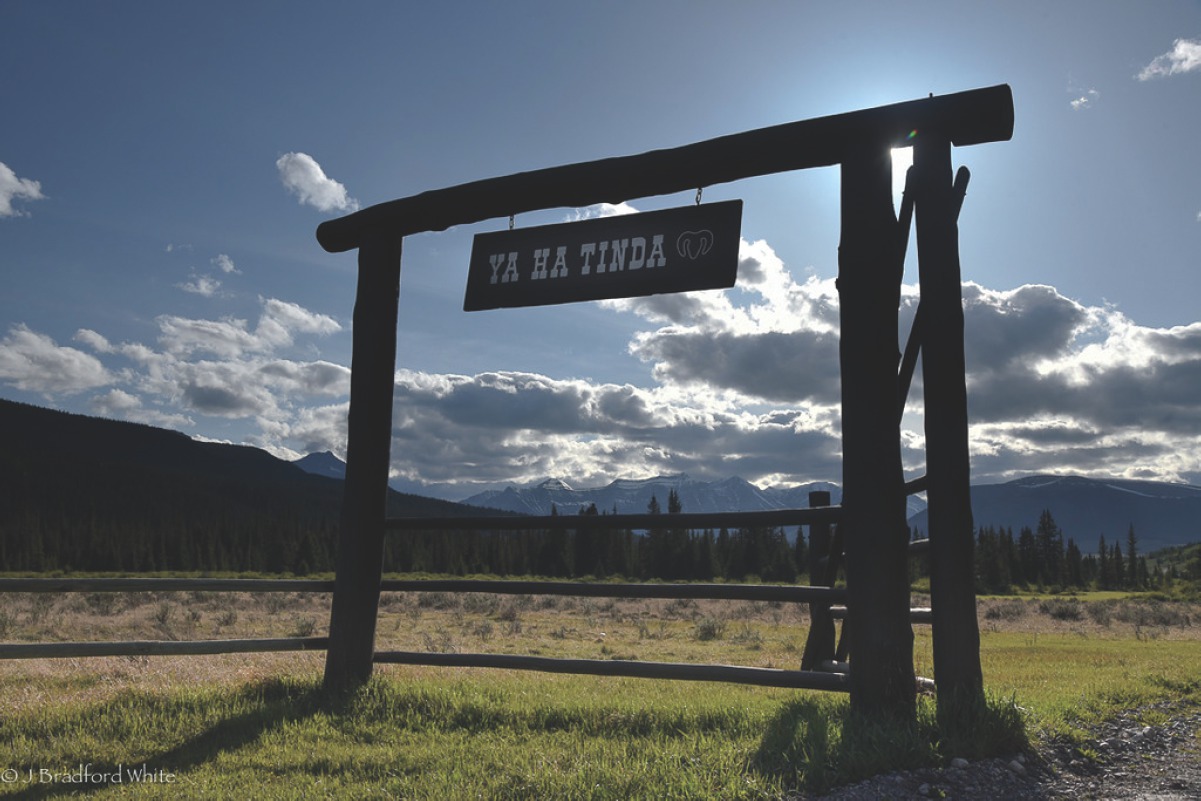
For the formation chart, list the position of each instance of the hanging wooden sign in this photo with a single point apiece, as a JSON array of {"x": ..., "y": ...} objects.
[{"x": 674, "y": 250}]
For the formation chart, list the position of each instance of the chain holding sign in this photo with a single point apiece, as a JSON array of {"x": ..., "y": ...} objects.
[{"x": 674, "y": 250}]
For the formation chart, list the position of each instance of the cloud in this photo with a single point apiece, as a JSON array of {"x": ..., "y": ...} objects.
[
  {"x": 723, "y": 339},
  {"x": 34, "y": 362},
  {"x": 230, "y": 338},
  {"x": 120, "y": 405},
  {"x": 222, "y": 368},
  {"x": 14, "y": 188},
  {"x": 203, "y": 285},
  {"x": 501, "y": 427},
  {"x": 225, "y": 264},
  {"x": 1085, "y": 100},
  {"x": 600, "y": 210},
  {"x": 743, "y": 382},
  {"x": 1185, "y": 56},
  {"x": 1052, "y": 383},
  {"x": 303, "y": 177}
]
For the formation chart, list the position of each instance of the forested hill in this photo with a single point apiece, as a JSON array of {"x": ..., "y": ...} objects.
[
  {"x": 1162, "y": 514},
  {"x": 90, "y": 494}
]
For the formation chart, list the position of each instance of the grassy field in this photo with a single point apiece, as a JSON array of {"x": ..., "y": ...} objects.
[{"x": 257, "y": 725}]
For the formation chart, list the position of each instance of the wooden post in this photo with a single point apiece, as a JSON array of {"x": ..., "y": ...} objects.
[
  {"x": 879, "y": 634},
  {"x": 368, "y": 452},
  {"x": 819, "y": 646},
  {"x": 955, "y": 632}
]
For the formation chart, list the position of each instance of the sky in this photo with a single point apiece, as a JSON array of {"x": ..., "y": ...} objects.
[{"x": 164, "y": 166}]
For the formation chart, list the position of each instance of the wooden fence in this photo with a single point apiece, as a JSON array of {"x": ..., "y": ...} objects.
[{"x": 831, "y": 674}]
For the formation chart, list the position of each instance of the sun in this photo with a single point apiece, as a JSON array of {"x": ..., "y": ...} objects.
[{"x": 902, "y": 159}]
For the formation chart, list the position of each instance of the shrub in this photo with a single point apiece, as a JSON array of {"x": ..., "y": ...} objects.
[
  {"x": 1061, "y": 609},
  {"x": 1155, "y": 613},
  {"x": 709, "y": 628},
  {"x": 438, "y": 600},
  {"x": 1006, "y": 610}
]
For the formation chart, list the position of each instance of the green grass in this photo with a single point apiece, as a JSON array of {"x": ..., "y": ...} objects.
[
  {"x": 450, "y": 734},
  {"x": 464, "y": 736}
]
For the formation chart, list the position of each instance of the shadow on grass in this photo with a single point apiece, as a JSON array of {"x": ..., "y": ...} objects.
[
  {"x": 269, "y": 704},
  {"x": 818, "y": 744}
]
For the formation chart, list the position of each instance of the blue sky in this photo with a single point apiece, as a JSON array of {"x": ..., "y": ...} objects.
[{"x": 163, "y": 168}]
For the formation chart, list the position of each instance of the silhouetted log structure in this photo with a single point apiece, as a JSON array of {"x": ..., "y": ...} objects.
[
  {"x": 766, "y": 677},
  {"x": 58, "y": 650},
  {"x": 870, "y": 266},
  {"x": 729, "y": 592},
  {"x": 956, "y": 633},
  {"x": 360, "y": 551},
  {"x": 870, "y": 269},
  {"x": 819, "y": 645},
  {"x": 58, "y": 585},
  {"x": 966, "y": 118}
]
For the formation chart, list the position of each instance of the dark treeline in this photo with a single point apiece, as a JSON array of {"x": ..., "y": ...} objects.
[
  {"x": 1044, "y": 557},
  {"x": 284, "y": 538},
  {"x": 666, "y": 553}
]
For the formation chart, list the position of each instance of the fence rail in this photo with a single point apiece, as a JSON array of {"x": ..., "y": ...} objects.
[
  {"x": 729, "y": 592},
  {"x": 766, "y": 677},
  {"x": 59, "y": 650},
  {"x": 683, "y": 520},
  {"x": 102, "y": 584}
]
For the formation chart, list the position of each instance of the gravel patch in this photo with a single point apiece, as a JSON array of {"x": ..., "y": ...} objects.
[{"x": 1129, "y": 761}]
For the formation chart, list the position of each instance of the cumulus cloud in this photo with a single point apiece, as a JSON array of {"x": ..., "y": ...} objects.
[
  {"x": 121, "y": 405},
  {"x": 1085, "y": 100},
  {"x": 302, "y": 176},
  {"x": 601, "y": 210},
  {"x": 1185, "y": 56},
  {"x": 745, "y": 382},
  {"x": 216, "y": 368},
  {"x": 510, "y": 426},
  {"x": 225, "y": 264},
  {"x": 34, "y": 362},
  {"x": 203, "y": 285},
  {"x": 713, "y": 339},
  {"x": 1052, "y": 383},
  {"x": 14, "y": 188},
  {"x": 229, "y": 337}
]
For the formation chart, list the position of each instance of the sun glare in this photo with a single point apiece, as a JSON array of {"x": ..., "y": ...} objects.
[{"x": 902, "y": 158}]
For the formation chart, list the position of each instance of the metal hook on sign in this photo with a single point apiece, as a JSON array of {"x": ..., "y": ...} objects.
[
  {"x": 699, "y": 190},
  {"x": 511, "y": 222}
]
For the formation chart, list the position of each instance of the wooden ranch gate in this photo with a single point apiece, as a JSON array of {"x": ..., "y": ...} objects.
[
  {"x": 875, "y": 381},
  {"x": 870, "y": 534}
]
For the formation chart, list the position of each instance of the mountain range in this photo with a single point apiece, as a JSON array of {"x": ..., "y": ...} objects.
[
  {"x": 1085, "y": 509},
  {"x": 633, "y": 496},
  {"x": 1162, "y": 513},
  {"x": 76, "y": 470}
]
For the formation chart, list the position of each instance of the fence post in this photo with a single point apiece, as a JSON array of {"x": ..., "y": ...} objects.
[
  {"x": 819, "y": 646},
  {"x": 368, "y": 452},
  {"x": 870, "y": 268},
  {"x": 955, "y": 631}
]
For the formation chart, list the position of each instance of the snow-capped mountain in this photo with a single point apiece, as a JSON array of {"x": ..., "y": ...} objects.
[
  {"x": 322, "y": 464},
  {"x": 633, "y": 496},
  {"x": 1162, "y": 513}
]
